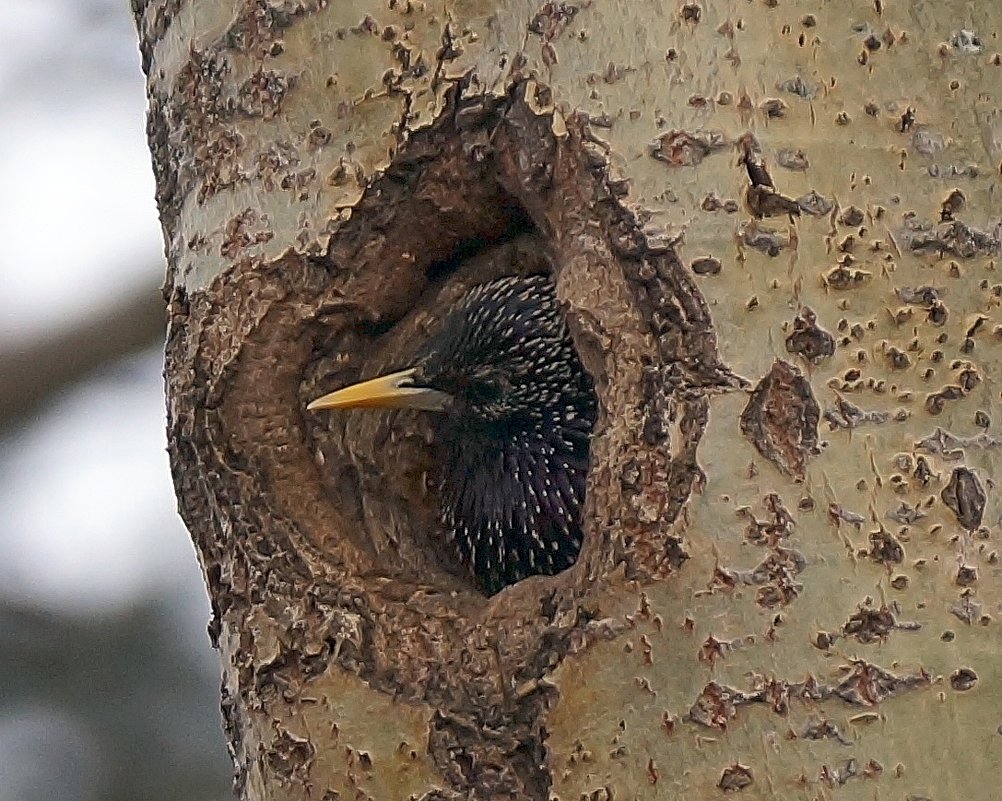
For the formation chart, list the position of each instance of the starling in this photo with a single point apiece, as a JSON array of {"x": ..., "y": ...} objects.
[{"x": 516, "y": 415}]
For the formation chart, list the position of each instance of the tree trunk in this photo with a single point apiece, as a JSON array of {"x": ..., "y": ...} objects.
[{"x": 789, "y": 586}]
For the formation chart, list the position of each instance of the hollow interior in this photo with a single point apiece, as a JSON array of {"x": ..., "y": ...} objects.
[{"x": 387, "y": 464}]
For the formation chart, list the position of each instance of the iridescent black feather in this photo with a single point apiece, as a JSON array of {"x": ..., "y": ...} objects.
[{"x": 517, "y": 431}]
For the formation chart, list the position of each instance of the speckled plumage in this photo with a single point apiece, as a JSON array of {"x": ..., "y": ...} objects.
[{"x": 517, "y": 431}]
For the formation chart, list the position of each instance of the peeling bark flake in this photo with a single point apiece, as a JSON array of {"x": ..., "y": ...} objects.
[
  {"x": 965, "y": 497},
  {"x": 884, "y": 547},
  {"x": 963, "y": 679},
  {"x": 781, "y": 419},
  {"x": 808, "y": 339},
  {"x": 868, "y": 685},
  {"x": 735, "y": 777},
  {"x": 868, "y": 625},
  {"x": 684, "y": 149}
]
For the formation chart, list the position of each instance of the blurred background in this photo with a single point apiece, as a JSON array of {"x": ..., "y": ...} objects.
[{"x": 108, "y": 687}]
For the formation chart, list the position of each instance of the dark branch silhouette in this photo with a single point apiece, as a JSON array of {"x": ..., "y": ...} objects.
[{"x": 31, "y": 373}]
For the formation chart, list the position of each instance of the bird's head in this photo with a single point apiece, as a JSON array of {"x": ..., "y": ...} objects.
[
  {"x": 518, "y": 412},
  {"x": 500, "y": 355}
]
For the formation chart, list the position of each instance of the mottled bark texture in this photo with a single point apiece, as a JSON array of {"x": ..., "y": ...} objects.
[{"x": 789, "y": 584}]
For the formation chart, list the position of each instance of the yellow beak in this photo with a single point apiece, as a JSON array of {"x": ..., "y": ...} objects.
[{"x": 392, "y": 391}]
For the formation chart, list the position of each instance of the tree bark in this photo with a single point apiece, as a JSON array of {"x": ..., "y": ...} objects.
[{"x": 789, "y": 584}]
